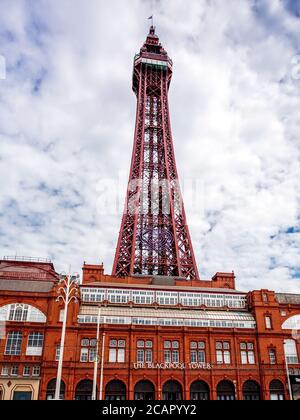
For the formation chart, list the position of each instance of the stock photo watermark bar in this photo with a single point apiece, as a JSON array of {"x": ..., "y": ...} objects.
[
  {"x": 295, "y": 73},
  {"x": 2, "y": 67}
]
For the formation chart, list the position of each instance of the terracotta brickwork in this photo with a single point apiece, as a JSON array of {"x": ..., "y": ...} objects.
[{"x": 36, "y": 285}]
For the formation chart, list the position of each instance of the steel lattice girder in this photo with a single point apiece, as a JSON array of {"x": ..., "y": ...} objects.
[{"x": 154, "y": 238}]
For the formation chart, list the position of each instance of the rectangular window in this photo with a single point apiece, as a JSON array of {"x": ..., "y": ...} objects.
[
  {"x": 112, "y": 355},
  {"x": 171, "y": 351},
  {"x": 121, "y": 355},
  {"x": 175, "y": 356},
  {"x": 93, "y": 354},
  {"x": 14, "y": 370},
  {"x": 117, "y": 351},
  {"x": 26, "y": 371},
  {"x": 223, "y": 354},
  {"x": 57, "y": 353},
  {"x": 36, "y": 371},
  {"x": 197, "y": 349},
  {"x": 35, "y": 344},
  {"x": 247, "y": 354},
  {"x": 149, "y": 357},
  {"x": 144, "y": 351},
  {"x": 244, "y": 358},
  {"x": 167, "y": 356},
  {"x": 272, "y": 356},
  {"x": 13, "y": 343},
  {"x": 5, "y": 370},
  {"x": 251, "y": 357},
  {"x": 18, "y": 313},
  {"x": 268, "y": 321},
  {"x": 140, "y": 356},
  {"x": 84, "y": 355},
  {"x": 88, "y": 350},
  {"x": 61, "y": 315}
]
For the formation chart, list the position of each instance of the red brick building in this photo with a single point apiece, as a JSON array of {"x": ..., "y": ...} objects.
[{"x": 159, "y": 337}]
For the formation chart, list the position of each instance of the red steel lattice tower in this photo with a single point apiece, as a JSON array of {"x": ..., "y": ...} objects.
[{"x": 154, "y": 238}]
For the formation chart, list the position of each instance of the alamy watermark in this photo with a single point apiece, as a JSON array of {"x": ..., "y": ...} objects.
[
  {"x": 149, "y": 197},
  {"x": 2, "y": 67},
  {"x": 295, "y": 67}
]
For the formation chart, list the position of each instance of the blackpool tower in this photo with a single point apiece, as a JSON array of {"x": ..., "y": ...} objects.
[{"x": 154, "y": 239}]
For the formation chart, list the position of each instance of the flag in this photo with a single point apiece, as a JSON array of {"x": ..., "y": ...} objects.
[{"x": 151, "y": 17}]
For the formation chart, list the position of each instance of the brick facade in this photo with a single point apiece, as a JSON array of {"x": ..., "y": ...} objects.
[{"x": 36, "y": 284}]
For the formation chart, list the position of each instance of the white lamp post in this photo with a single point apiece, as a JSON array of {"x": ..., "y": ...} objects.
[
  {"x": 287, "y": 369},
  {"x": 67, "y": 292},
  {"x": 94, "y": 394}
]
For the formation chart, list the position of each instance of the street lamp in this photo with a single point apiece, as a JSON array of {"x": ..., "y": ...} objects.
[
  {"x": 96, "y": 361},
  {"x": 287, "y": 369},
  {"x": 68, "y": 291}
]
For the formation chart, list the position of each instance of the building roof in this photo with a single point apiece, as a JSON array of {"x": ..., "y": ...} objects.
[
  {"x": 167, "y": 313},
  {"x": 160, "y": 287},
  {"x": 288, "y": 298},
  {"x": 26, "y": 286},
  {"x": 25, "y": 269}
]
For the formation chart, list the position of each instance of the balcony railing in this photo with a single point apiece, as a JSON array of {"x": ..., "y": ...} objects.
[{"x": 27, "y": 259}]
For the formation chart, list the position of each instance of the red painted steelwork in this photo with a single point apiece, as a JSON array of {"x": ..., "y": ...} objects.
[{"x": 154, "y": 237}]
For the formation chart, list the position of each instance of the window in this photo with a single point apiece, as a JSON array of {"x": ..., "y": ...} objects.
[
  {"x": 13, "y": 343},
  {"x": 223, "y": 353},
  {"x": 26, "y": 371},
  {"x": 290, "y": 351},
  {"x": 57, "y": 353},
  {"x": 36, "y": 371},
  {"x": 117, "y": 351},
  {"x": 247, "y": 354},
  {"x": 277, "y": 391},
  {"x": 14, "y": 370},
  {"x": 5, "y": 370},
  {"x": 265, "y": 298},
  {"x": 272, "y": 356},
  {"x": 61, "y": 315},
  {"x": 18, "y": 313},
  {"x": 144, "y": 351},
  {"x": 84, "y": 355},
  {"x": 197, "y": 352},
  {"x": 268, "y": 322},
  {"x": 35, "y": 344},
  {"x": 171, "y": 351},
  {"x": 88, "y": 350}
]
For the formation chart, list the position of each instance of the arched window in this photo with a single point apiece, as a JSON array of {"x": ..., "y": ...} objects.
[
  {"x": 50, "y": 395},
  {"x": 115, "y": 391},
  {"x": 226, "y": 391},
  {"x": 19, "y": 312},
  {"x": 277, "y": 391},
  {"x": 291, "y": 353},
  {"x": 172, "y": 391},
  {"x": 84, "y": 391},
  {"x": 292, "y": 323},
  {"x": 251, "y": 391},
  {"x": 199, "y": 391},
  {"x": 144, "y": 390}
]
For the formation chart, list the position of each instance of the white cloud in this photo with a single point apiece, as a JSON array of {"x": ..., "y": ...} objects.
[{"x": 67, "y": 120}]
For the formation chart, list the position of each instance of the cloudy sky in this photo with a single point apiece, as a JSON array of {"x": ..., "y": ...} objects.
[{"x": 67, "y": 119}]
